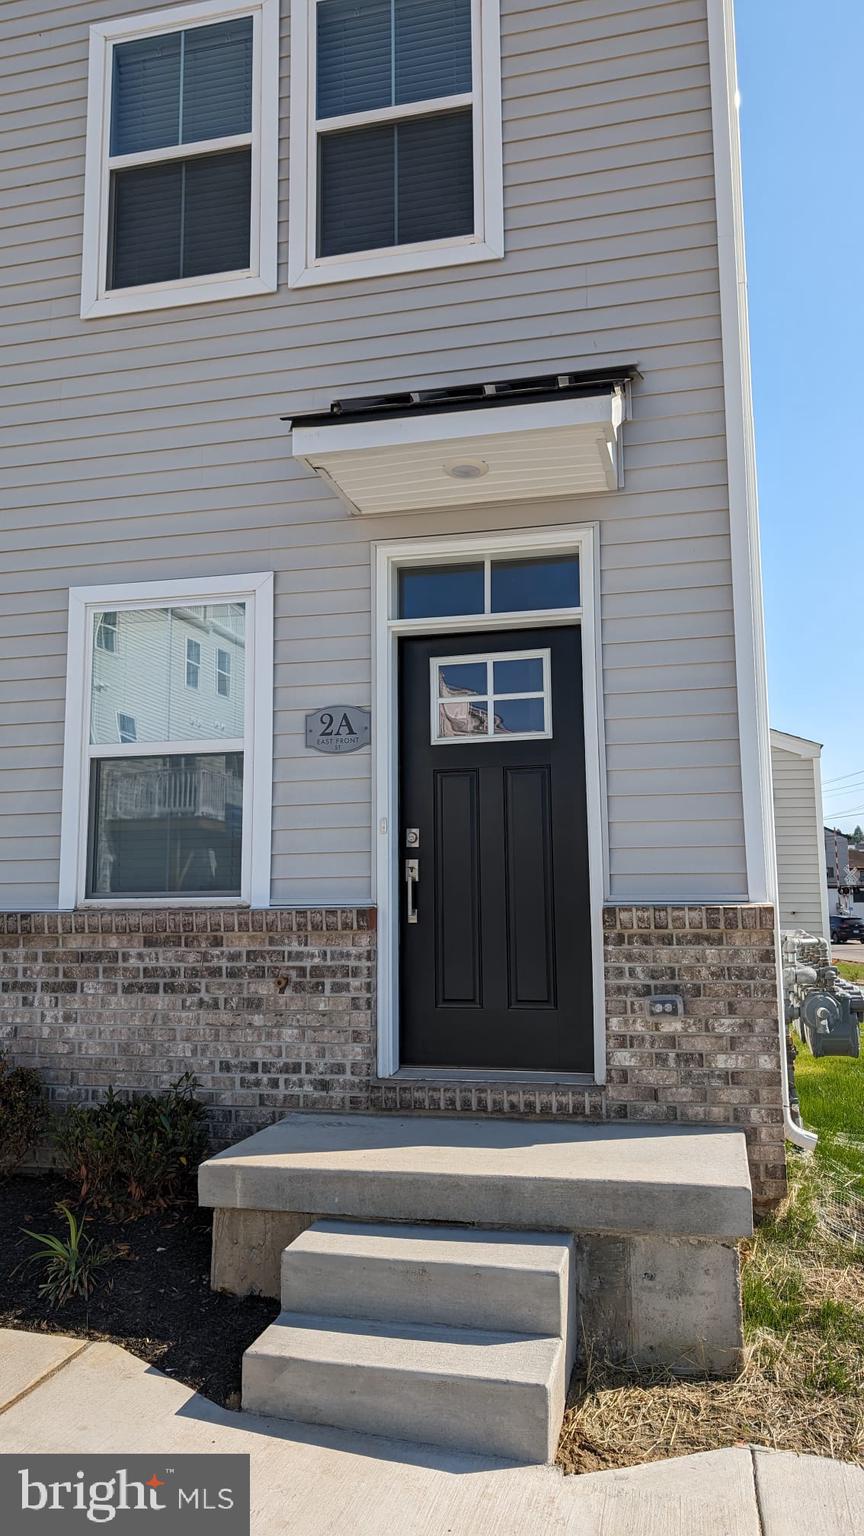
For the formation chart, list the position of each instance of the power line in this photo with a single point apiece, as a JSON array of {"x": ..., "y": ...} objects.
[
  {"x": 853, "y": 775},
  {"x": 843, "y": 789}
]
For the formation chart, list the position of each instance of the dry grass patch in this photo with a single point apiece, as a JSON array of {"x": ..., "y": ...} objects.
[{"x": 802, "y": 1386}]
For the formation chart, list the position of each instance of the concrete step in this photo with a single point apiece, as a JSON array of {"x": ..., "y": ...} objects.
[
  {"x": 512, "y": 1282},
  {"x": 494, "y": 1393}
]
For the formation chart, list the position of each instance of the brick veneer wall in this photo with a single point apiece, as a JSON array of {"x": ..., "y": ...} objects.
[{"x": 274, "y": 1011}]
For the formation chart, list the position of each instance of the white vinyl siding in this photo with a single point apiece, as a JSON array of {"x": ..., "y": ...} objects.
[
  {"x": 803, "y": 892},
  {"x": 151, "y": 446}
]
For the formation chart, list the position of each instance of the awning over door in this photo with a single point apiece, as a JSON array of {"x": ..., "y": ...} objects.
[{"x": 516, "y": 440}]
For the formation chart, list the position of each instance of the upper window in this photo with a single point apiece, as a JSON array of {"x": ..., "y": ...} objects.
[
  {"x": 511, "y": 585},
  {"x": 396, "y": 136},
  {"x": 180, "y": 189},
  {"x": 158, "y": 782}
]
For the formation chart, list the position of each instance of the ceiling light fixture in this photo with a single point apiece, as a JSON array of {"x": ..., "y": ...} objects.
[{"x": 466, "y": 469}]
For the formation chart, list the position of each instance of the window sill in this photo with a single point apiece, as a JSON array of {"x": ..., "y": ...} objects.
[
  {"x": 158, "y": 903},
  {"x": 344, "y": 269},
  {"x": 130, "y": 301}
]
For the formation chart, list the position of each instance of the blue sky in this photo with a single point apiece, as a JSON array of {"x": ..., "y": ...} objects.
[{"x": 799, "y": 68}]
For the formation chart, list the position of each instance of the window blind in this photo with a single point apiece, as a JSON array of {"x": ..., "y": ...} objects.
[
  {"x": 383, "y": 53},
  {"x": 396, "y": 183},
  {"x": 182, "y": 87},
  {"x": 181, "y": 219}
]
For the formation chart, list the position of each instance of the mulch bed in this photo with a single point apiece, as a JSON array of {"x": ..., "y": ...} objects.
[{"x": 156, "y": 1301}]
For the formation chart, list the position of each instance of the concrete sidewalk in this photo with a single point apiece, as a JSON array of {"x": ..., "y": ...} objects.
[{"x": 59, "y": 1394}]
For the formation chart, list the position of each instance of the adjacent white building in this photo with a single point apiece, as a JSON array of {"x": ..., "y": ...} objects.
[{"x": 798, "y": 824}]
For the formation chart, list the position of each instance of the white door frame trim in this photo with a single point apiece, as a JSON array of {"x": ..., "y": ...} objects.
[{"x": 386, "y": 560}]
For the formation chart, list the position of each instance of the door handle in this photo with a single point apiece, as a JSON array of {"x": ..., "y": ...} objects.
[{"x": 412, "y": 876}]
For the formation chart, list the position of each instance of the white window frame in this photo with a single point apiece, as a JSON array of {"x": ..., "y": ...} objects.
[
  {"x": 305, "y": 267},
  {"x": 491, "y": 697},
  {"x": 256, "y": 591},
  {"x": 121, "y": 716},
  {"x": 97, "y": 299},
  {"x": 387, "y": 560}
]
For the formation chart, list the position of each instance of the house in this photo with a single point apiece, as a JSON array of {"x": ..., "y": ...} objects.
[
  {"x": 801, "y": 842},
  {"x": 385, "y": 724}
]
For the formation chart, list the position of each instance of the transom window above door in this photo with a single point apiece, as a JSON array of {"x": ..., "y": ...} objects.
[
  {"x": 180, "y": 182},
  {"x": 395, "y": 136},
  {"x": 548, "y": 582},
  {"x": 504, "y": 694}
]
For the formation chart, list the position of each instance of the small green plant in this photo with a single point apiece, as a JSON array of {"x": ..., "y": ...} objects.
[
  {"x": 130, "y": 1156},
  {"x": 22, "y": 1113},
  {"x": 71, "y": 1264}
]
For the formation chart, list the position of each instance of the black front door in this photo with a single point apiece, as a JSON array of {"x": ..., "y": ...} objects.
[{"x": 495, "y": 952}]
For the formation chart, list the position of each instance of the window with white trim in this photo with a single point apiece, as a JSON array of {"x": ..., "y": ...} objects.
[
  {"x": 193, "y": 663},
  {"x": 180, "y": 191},
  {"x": 223, "y": 674},
  {"x": 395, "y": 135},
  {"x": 158, "y": 801}
]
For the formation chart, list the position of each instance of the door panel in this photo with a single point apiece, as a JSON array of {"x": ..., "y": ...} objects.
[
  {"x": 496, "y": 970},
  {"x": 529, "y": 916},
  {"x": 457, "y": 893}
]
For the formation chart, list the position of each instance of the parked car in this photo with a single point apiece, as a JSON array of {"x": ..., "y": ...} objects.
[{"x": 844, "y": 928}]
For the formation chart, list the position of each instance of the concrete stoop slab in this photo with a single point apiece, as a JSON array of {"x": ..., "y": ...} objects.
[{"x": 561, "y": 1176}]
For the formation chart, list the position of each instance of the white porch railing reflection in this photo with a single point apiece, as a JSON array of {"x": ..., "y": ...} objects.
[{"x": 136, "y": 794}]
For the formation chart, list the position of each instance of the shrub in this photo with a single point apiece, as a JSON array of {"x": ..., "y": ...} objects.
[
  {"x": 131, "y": 1156},
  {"x": 71, "y": 1264},
  {"x": 22, "y": 1113}
]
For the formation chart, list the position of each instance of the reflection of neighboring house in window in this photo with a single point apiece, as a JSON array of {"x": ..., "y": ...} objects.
[{"x": 185, "y": 678}]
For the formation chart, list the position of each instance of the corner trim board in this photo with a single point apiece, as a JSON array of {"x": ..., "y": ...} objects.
[{"x": 749, "y": 619}]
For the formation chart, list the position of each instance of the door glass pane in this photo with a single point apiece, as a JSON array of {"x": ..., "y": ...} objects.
[
  {"x": 431, "y": 592},
  {"x": 513, "y": 716},
  {"x": 463, "y": 717},
  {"x": 145, "y": 676},
  {"x": 166, "y": 826},
  {"x": 462, "y": 678},
  {"x": 522, "y": 676},
  {"x": 519, "y": 585}
]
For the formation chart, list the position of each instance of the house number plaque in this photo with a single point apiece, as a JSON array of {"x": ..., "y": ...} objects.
[{"x": 338, "y": 728}]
